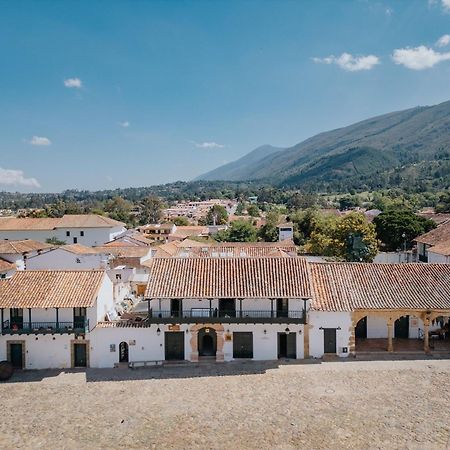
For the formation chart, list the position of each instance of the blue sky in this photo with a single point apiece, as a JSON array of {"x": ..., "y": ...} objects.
[{"x": 104, "y": 94}]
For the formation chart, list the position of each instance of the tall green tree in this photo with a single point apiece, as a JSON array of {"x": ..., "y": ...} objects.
[
  {"x": 238, "y": 231},
  {"x": 119, "y": 209},
  {"x": 269, "y": 231},
  {"x": 217, "y": 214},
  {"x": 151, "y": 210},
  {"x": 398, "y": 227}
]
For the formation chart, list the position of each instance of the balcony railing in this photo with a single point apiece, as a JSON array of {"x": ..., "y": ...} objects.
[
  {"x": 205, "y": 315},
  {"x": 16, "y": 327}
]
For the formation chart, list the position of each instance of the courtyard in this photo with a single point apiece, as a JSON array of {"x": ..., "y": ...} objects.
[{"x": 337, "y": 404}]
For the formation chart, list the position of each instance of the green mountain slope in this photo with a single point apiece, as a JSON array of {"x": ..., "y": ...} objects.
[
  {"x": 240, "y": 169},
  {"x": 379, "y": 152}
]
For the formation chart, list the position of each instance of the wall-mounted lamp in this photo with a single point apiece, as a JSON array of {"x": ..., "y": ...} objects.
[
  {"x": 287, "y": 330},
  {"x": 265, "y": 331},
  {"x": 158, "y": 331},
  {"x": 299, "y": 331}
]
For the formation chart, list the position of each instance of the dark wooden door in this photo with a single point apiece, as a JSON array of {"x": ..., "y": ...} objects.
[
  {"x": 123, "y": 352},
  {"x": 174, "y": 345},
  {"x": 291, "y": 345},
  {"x": 16, "y": 356},
  {"x": 329, "y": 340},
  {"x": 80, "y": 353},
  {"x": 361, "y": 329},
  {"x": 242, "y": 345},
  {"x": 402, "y": 328}
]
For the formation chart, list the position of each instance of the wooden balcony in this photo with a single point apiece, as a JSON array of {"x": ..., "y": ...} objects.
[
  {"x": 213, "y": 316},
  {"x": 18, "y": 327}
]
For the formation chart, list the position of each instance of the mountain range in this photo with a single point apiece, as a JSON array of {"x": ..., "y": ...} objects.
[{"x": 400, "y": 149}]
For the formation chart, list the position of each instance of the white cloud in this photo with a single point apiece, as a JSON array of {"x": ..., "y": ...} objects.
[
  {"x": 443, "y": 41},
  {"x": 125, "y": 124},
  {"x": 388, "y": 11},
  {"x": 418, "y": 58},
  {"x": 40, "y": 141},
  {"x": 208, "y": 145},
  {"x": 73, "y": 83},
  {"x": 349, "y": 62},
  {"x": 446, "y": 5},
  {"x": 11, "y": 177}
]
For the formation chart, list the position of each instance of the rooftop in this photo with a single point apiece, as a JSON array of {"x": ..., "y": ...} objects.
[
  {"x": 50, "y": 289},
  {"x": 436, "y": 236},
  {"x": 229, "y": 278},
  {"x": 67, "y": 221},
  {"x": 350, "y": 286},
  {"x": 24, "y": 246}
]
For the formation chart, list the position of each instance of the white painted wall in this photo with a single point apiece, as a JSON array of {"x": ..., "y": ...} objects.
[
  {"x": 41, "y": 351},
  {"x": 376, "y": 328},
  {"x": 61, "y": 259},
  {"x": 435, "y": 258},
  {"x": 318, "y": 319},
  {"x": 92, "y": 236}
]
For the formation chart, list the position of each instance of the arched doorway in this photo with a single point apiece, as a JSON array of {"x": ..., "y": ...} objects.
[
  {"x": 123, "y": 352},
  {"x": 207, "y": 342},
  {"x": 361, "y": 329}
]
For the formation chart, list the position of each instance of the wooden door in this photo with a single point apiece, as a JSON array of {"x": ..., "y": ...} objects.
[
  {"x": 16, "y": 355},
  {"x": 174, "y": 345},
  {"x": 242, "y": 345},
  {"x": 80, "y": 355},
  {"x": 329, "y": 340}
]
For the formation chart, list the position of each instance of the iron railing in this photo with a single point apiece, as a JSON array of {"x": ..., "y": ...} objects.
[
  {"x": 203, "y": 315},
  {"x": 25, "y": 327}
]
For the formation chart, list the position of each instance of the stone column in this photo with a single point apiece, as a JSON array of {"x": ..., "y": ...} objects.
[
  {"x": 306, "y": 340},
  {"x": 219, "y": 352},
  {"x": 390, "y": 347},
  {"x": 194, "y": 346},
  {"x": 426, "y": 343}
]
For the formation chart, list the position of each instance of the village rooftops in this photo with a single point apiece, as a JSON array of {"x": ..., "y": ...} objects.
[
  {"x": 24, "y": 246},
  {"x": 208, "y": 278},
  {"x": 6, "y": 266},
  {"x": 436, "y": 236},
  {"x": 51, "y": 289},
  {"x": 67, "y": 221},
  {"x": 368, "y": 286}
]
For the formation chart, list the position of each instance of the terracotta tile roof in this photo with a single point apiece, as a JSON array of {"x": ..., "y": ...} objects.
[
  {"x": 67, "y": 221},
  {"x": 225, "y": 251},
  {"x": 51, "y": 289},
  {"x": 79, "y": 249},
  {"x": 350, "y": 286},
  {"x": 229, "y": 278},
  {"x": 435, "y": 217},
  {"x": 441, "y": 249},
  {"x": 23, "y": 246},
  {"x": 436, "y": 236},
  {"x": 6, "y": 266},
  {"x": 131, "y": 251}
]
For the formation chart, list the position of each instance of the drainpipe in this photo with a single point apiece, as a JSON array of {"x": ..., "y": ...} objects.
[
  {"x": 57, "y": 318},
  {"x": 1, "y": 323}
]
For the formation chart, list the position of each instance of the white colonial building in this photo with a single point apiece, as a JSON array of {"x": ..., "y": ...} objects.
[{"x": 86, "y": 229}]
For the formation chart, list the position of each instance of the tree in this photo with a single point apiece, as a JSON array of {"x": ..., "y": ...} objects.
[
  {"x": 55, "y": 241},
  {"x": 253, "y": 211},
  {"x": 238, "y": 231},
  {"x": 398, "y": 227},
  {"x": 180, "y": 221},
  {"x": 443, "y": 205},
  {"x": 151, "y": 210},
  {"x": 269, "y": 231},
  {"x": 350, "y": 238},
  {"x": 349, "y": 202},
  {"x": 217, "y": 214},
  {"x": 119, "y": 209},
  {"x": 301, "y": 200},
  {"x": 240, "y": 208}
]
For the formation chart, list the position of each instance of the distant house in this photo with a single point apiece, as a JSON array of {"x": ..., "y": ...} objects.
[
  {"x": 70, "y": 257},
  {"x": 130, "y": 238},
  {"x": 159, "y": 232},
  {"x": 86, "y": 229},
  {"x": 6, "y": 269},
  {"x": 433, "y": 246},
  {"x": 19, "y": 252},
  {"x": 286, "y": 231}
]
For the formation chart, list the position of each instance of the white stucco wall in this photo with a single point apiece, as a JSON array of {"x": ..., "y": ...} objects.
[
  {"x": 60, "y": 259},
  {"x": 92, "y": 236},
  {"x": 435, "y": 258},
  {"x": 321, "y": 319},
  {"x": 41, "y": 351}
]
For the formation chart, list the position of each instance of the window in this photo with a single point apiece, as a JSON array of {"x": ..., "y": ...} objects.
[
  {"x": 118, "y": 276},
  {"x": 75, "y": 240},
  {"x": 67, "y": 233},
  {"x": 81, "y": 233},
  {"x": 78, "y": 261}
]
